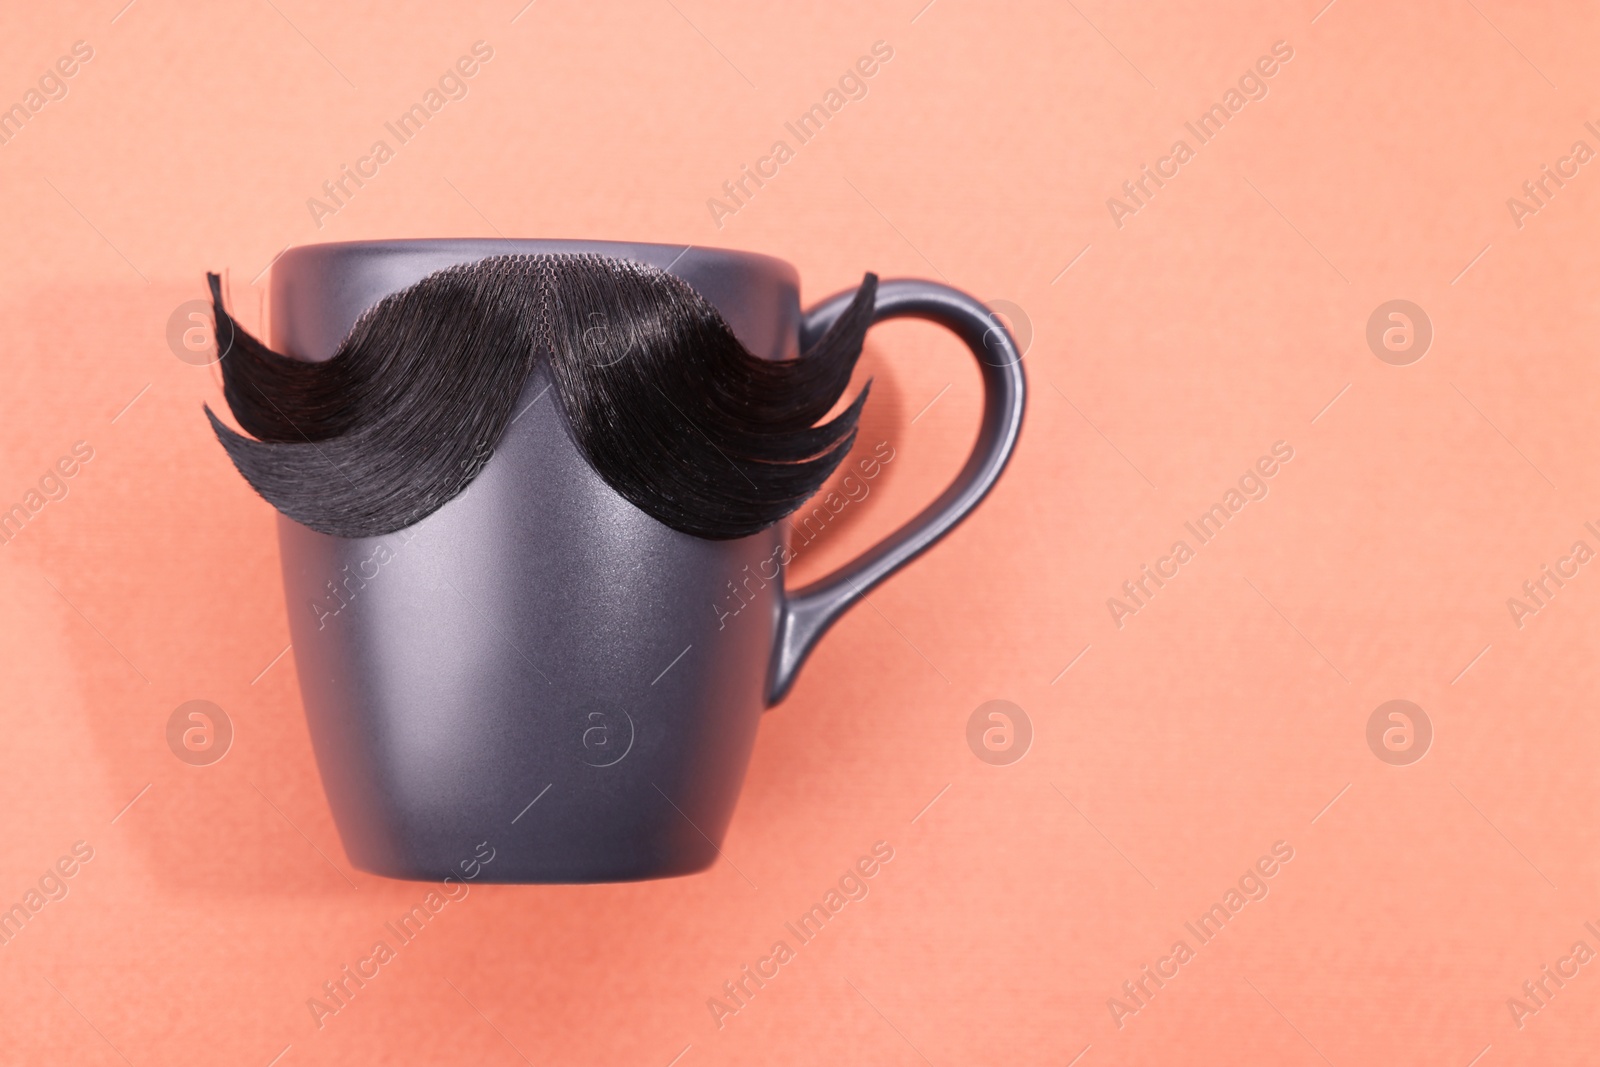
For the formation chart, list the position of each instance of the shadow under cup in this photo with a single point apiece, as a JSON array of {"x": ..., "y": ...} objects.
[{"x": 539, "y": 665}]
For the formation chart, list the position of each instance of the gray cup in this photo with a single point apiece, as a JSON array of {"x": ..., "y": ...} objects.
[{"x": 540, "y": 665}]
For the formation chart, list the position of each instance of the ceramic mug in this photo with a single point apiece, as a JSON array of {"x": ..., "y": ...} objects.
[{"x": 539, "y": 665}]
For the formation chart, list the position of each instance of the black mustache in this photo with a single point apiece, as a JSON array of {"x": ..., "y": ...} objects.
[{"x": 667, "y": 405}]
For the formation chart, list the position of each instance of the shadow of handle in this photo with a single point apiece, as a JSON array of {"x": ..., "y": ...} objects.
[{"x": 807, "y": 613}]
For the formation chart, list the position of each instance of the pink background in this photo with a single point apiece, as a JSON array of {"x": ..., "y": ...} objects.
[{"x": 1167, "y": 354}]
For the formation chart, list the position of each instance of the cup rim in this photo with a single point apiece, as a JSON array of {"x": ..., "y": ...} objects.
[
  {"x": 357, "y": 274},
  {"x": 528, "y": 246}
]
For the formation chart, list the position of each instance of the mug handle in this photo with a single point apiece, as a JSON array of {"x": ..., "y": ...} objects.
[{"x": 807, "y": 613}]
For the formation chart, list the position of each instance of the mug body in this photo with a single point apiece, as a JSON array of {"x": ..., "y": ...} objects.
[{"x": 538, "y": 666}]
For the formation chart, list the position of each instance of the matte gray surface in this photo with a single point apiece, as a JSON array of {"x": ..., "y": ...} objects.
[{"x": 539, "y": 664}]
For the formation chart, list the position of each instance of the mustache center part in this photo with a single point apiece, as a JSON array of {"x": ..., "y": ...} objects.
[{"x": 660, "y": 397}]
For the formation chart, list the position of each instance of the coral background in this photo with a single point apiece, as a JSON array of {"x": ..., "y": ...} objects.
[{"x": 1230, "y": 713}]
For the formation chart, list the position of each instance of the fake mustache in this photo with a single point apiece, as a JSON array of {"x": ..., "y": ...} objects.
[{"x": 659, "y": 395}]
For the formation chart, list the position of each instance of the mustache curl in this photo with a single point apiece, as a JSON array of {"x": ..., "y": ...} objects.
[{"x": 660, "y": 397}]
